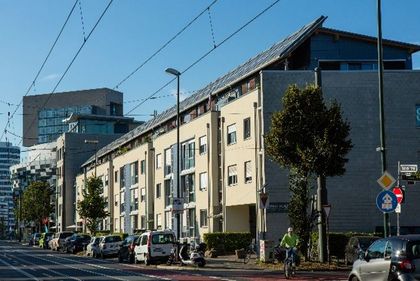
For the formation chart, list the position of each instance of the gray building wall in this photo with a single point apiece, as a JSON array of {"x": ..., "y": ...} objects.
[
  {"x": 76, "y": 152},
  {"x": 353, "y": 195},
  {"x": 101, "y": 98}
]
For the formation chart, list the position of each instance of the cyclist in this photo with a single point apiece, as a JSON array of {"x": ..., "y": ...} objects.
[{"x": 290, "y": 241}]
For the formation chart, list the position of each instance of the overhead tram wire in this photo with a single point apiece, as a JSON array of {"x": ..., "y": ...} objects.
[
  {"x": 42, "y": 66},
  {"x": 72, "y": 61},
  {"x": 206, "y": 54},
  {"x": 164, "y": 45}
]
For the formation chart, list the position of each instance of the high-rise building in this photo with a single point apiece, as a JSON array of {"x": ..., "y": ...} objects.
[
  {"x": 9, "y": 155},
  {"x": 43, "y": 115}
]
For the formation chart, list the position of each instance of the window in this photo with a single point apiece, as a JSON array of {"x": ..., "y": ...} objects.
[
  {"x": 134, "y": 169},
  {"x": 158, "y": 161},
  {"x": 203, "y": 181},
  {"x": 188, "y": 187},
  {"x": 232, "y": 175},
  {"x": 134, "y": 202},
  {"x": 248, "y": 171},
  {"x": 188, "y": 155},
  {"x": 158, "y": 221},
  {"x": 168, "y": 192},
  {"x": 377, "y": 249},
  {"x": 168, "y": 220},
  {"x": 143, "y": 224},
  {"x": 168, "y": 161},
  {"x": 417, "y": 115},
  {"x": 203, "y": 218},
  {"x": 122, "y": 179},
  {"x": 122, "y": 207},
  {"x": 203, "y": 145},
  {"x": 231, "y": 134},
  {"x": 158, "y": 187},
  {"x": 142, "y": 194},
  {"x": 191, "y": 222},
  {"x": 247, "y": 128},
  {"x": 142, "y": 167},
  {"x": 116, "y": 176}
]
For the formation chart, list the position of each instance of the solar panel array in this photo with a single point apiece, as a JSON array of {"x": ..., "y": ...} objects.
[{"x": 275, "y": 53}]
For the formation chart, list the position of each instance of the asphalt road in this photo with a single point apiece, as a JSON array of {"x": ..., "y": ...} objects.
[{"x": 20, "y": 262}]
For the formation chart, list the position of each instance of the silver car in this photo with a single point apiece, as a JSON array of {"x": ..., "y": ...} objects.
[
  {"x": 92, "y": 249},
  {"x": 109, "y": 245},
  {"x": 389, "y": 259}
]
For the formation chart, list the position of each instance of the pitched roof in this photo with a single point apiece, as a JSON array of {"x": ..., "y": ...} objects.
[{"x": 275, "y": 53}]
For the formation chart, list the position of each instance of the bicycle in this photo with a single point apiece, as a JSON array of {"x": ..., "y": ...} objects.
[
  {"x": 250, "y": 251},
  {"x": 289, "y": 263}
]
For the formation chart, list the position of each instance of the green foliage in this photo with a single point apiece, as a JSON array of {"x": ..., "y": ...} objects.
[
  {"x": 308, "y": 135},
  {"x": 227, "y": 242},
  {"x": 298, "y": 209},
  {"x": 92, "y": 206},
  {"x": 36, "y": 202}
]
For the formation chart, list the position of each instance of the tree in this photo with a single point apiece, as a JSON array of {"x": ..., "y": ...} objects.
[
  {"x": 92, "y": 206},
  {"x": 36, "y": 202},
  {"x": 310, "y": 137}
]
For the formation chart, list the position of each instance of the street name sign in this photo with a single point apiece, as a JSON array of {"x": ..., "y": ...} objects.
[
  {"x": 386, "y": 201},
  {"x": 408, "y": 168}
]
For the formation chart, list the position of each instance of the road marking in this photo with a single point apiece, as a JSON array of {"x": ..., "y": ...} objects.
[{"x": 19, "y": 270}]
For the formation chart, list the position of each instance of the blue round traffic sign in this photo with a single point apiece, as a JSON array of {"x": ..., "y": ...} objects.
[{"x": 386, "y": 201}]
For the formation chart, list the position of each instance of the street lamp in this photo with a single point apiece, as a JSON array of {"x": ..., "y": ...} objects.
[
  {"x": 95, "y": 142},
  {"x": 176, "y": 195}
]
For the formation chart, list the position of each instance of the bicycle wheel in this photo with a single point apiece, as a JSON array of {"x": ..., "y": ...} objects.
[{"x": 287, "y": 269}]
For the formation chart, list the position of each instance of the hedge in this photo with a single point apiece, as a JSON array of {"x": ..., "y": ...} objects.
[{"x": 227, "y": 242}]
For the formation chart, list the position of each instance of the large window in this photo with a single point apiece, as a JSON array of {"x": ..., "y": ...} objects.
[
  {"x": 188, "y": 154},
  {"x": 203, "y": 145},
  {"x": 142, "y": 167},
  {"x": 134, "y": 169},
  {"x": 247, "y": 128},
  {"x": 232, "y": 175},
  {"x": 231, "y": 134},
  {"x": 168, "y": 192},
  {"x": 248, "y": 171},
  {"x": 191, "y": 222},
  {"x": 134, "y": 196},
  {"x": 168, "y": 161},
  {"x": 122, "y": 179},
  {"x": 158, "y": 190},
  {"x": 188, "y": 187}
]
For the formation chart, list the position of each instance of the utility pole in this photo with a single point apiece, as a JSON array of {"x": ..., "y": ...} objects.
[
  {"x": 322, "y": 197},
  {"x": 381, "y": 108}
]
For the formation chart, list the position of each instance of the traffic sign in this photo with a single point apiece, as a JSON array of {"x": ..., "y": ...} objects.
[
  {"x": 386, "y": 180},
  {"x": 263, "y": 200},
  {"x": 399, "y": 193},
  {"x": 386, "y": 201},
  {"x": 327, "y": 210}
]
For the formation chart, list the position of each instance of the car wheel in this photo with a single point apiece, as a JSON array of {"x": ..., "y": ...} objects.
[
  {"x": 130, "y": 258},
  {"x": 120, "y": 258},
  {"x": 354, "y": 278}
]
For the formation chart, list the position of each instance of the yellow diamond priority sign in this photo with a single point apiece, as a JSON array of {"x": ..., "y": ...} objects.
[{"x": 386, "y": 180}]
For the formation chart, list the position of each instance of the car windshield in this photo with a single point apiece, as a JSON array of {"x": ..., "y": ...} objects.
[
  {"x": 162, "y": 238},
  {"x": 365, "y": 242}
]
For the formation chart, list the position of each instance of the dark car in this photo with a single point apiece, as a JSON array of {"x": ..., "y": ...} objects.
[
  {"x": 76, "y": 243},
  {"x": 355, "y": 245},
  {"x": 394, "y": 258},
  {"x": 126, "y": 251}
]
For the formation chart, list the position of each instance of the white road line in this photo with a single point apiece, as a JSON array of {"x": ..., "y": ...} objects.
[{"x": 19, "y": 270}]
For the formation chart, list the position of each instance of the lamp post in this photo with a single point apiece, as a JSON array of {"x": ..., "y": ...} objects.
[
  {"x": 176, "y": 194},
  {"x": 95, "y": 142}
]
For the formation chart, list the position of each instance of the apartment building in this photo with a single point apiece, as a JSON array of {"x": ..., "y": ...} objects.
[{"x": 224, "y": 169}]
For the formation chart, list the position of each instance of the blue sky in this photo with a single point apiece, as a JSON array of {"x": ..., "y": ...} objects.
[{"x": 132, "y": 30}]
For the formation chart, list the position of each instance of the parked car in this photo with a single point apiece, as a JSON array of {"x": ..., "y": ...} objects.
[
  {"x": 126, "y": 251},
  {"x": 153, "y": 246},
  {"x": 44, "y": 239},
  {"x": 92, "y": 249},
  {"x": 109, "y": 245},
  {"x": 34, "y": 240},
  {"x": 355, "y": 245},
  {"x": 394, "y": 258},
  {"x": 61, "y": 238},
  {"x": 76, "y": 243}
]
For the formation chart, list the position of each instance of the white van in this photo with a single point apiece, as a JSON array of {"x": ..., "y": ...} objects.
[{"x": 153, "y": 246}]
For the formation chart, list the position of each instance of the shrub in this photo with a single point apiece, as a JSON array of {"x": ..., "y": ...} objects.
[{"x": 227, "y": 242}]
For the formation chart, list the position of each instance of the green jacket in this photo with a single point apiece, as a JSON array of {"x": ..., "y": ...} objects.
[{"x": 289, "y": 241}]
